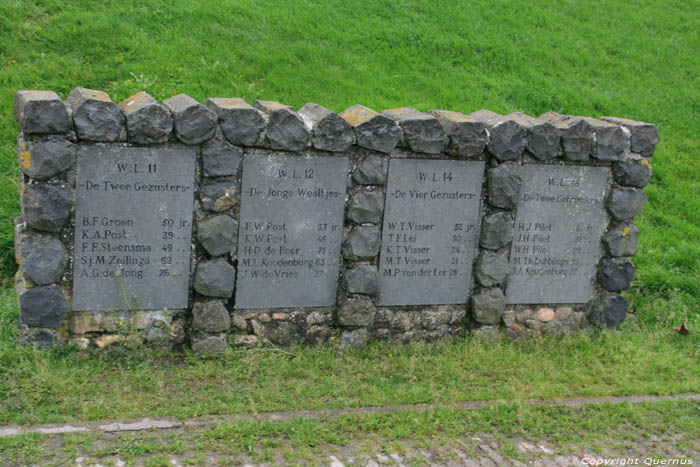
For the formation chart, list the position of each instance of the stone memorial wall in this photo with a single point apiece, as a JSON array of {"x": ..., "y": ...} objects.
[{"x": 226, "y": 224}]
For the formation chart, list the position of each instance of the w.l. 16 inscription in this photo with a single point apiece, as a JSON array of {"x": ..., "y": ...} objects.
[
  {"x": 557, "y": 233},
  {"x": 133, "y": 228},
  {"x": 291, "y": 229},
  {"x": 429, "y": 234}
]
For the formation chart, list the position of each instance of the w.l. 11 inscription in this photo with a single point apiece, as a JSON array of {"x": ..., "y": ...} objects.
[
  {"x": 557, "y": 233},
  {"x": 291, "y": 229},
  {"x": 133, "y": 228},
  {"x": 429, "y": 233}
]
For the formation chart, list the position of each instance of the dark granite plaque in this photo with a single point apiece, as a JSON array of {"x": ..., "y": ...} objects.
[
  {"x": 133, "y": 227},
  {"x": 557, "y": 233},
  {"x": 291, "y": 229},
  {"x": 431, "y": 219}
]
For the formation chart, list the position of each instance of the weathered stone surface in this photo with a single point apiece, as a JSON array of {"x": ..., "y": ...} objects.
[
  {"x": 609, "y": 311},
  {"x": 362, "y": 279},
  {"x": 488, "y": 305},
  {"x": 366, "y": 207},
  {"x": 504, "y": 184},
  {"x": 220, "y": 158},
  {"x": 282, "y": 333},
  {"x": 194, "y": 123},
  {"x": 576, "y": 135},
  {"x": 249, "y": 342},
  {"x": 643, "y": 137},
  {"x": 41, "y": 338},
  {"x": 625, "y": 203},
  {"x": 147, "y": 121},
  {"x": 215, "y": 278},
  {"x": 329, "y": 132},
  {"x": 543, "y": 138},
  {"x": 508, "y": 137},
  {"x": 491, "y": 267},
  {"x": 615, "y": 276},
  {"x": 95, "y": 116},
  {"x": 210, "y": 316},
  {"x": 563, "y": 313},
  {"x": 317, "y": 335},
  {"x": 356, "y": 311},
  {"x": 487, "y": 333},
  {"x": 355, "y": 338},
  {"x": 218, "y": 235},
  {"x": 371, "y": 171},
  {"x": 46, "y": 207},
  {"x": 240, "y": 123},
  {"x": 632, "y": 172},
  {"x": 362, "y": 243},
  {"x": 43, "y": 258},
  {"x": 209, "y": 344},
  {"x": 45, "y": 158},
  {"x": 42, "y": 306},
  {"x": 422, "y": 132},
  {"x": 611, "y": 141},
  {"x": 544, "y": 314},
  {"x": 41, "y": 112},
  {"x": 622, "y": 240},
  {"x": 496, "y": 231},
  {"x": 219, "y": 196},
  {"x": 372, "y": 130},
  {"x": 286, "y": 129},
  {"x": 466, "y": 136}
]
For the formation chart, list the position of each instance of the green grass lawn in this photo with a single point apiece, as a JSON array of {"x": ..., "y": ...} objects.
[{"x": 635, "y": 59}]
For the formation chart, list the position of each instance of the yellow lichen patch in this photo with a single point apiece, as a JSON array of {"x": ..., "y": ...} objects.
[
  {"x": 135, "y": 101},
  {"x": 646, "y": 162},
  {"x": 625, "y": 231},
  {"x": 26, "y": 157},
  {"x": 231, "y": 102},
  {"x": 97, "y": 95},
  {"x": 358, "y": 114}
]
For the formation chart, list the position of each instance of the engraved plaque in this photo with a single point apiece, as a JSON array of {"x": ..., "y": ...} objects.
[
  {"x": 431, "y": 219},
  {"x": 133, "y": 228},
  {"x": 290, "y": 230},
  {"x": 557, "y": 233}
]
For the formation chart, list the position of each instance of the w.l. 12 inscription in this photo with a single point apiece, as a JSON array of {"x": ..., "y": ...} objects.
[
  {"x": 557, "y": 233},
  {"x": 133, "y": 228},
  {"x": 290, "y": 230},
  {"x": 429, "y": 234}
]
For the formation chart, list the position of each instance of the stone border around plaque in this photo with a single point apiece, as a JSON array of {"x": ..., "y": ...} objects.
[{"x": 197, "y": 305}]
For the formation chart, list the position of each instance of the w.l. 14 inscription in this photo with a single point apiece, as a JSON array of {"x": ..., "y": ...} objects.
[
  {"x": 557, "y": 233},
  {"x": 291, "y": 229},
  {"x": 133, "y": 228},
  {"x": 429, "y": 233}
]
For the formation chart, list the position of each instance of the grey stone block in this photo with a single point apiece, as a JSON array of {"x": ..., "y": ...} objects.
[
  {"x": 42, "y": 338},
  {"x": 210, "y": 316},
  {"x": 496, "y": 231},
  {"x": 362, "y": 279},
  {"x": 357, "y": 311},
  {"x": 194, "y": 123},
  {"x": 543, "y": 138},
  {"x": 147, "y": 121},
  {"x": 329, "y": 132},
  {"x": 285, "y": 129},
  {"x": 372, "y": 130},
  {"x": 488, "y": 305},
  {"x": 632, "y": 172},
  {"x": 371, "y": 171},
  {"x": 622, "y": 240},
  {"x": 41, "y": 112},
  {"x": 625, "y": 203},
  {"x": 466, "y": 136},
  {"x": 611, "y": 141},
  {"x": 42, "y": 306},
  {"x": 366, "y": 207},
  {"x": 43, "y": 258},
  {"x": 45, "y": 157},
  {"x": 508, "y": 137},
  {"x": 492, "y": 268},
  {"x": 209, "y": 344},
  {"x": 46, "y": 207},
  {"x": 95, "y": 116},
  {"x": 219, "y": 196},
  {"x": 576, "y": 135},
  {"x": 215, "y": 278},
  {"x": 218, "y": 235},
  {"x": 240, "y": 123},
  {"x": 504, "y": 184},
  {"x": 355, "y": 338},
  {"x": 608, "y": 311},
  {"x": 282, "y": 333},
  {"x": 615, "y": 276},
  {"x": 422, "y": 132},
  {"x": 220, "y": 158},
  {"x": 362, "y": 243},
  {"x": 643, "y": 136}
]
